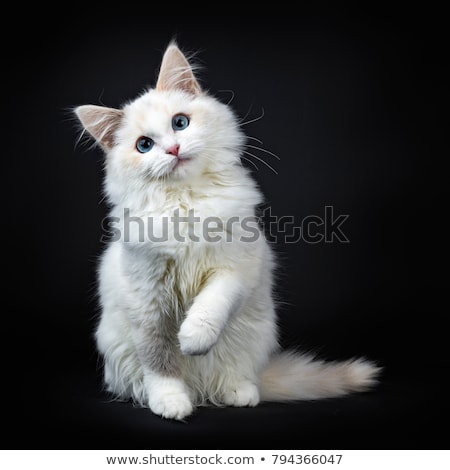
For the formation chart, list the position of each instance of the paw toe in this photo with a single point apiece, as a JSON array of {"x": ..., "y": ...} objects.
[
  {"x": 243, "y": 394},
  {"x": 173, "y": 406}
]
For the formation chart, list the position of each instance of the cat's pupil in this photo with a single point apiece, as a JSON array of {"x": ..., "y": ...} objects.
[{"x": 180, "y": 122}]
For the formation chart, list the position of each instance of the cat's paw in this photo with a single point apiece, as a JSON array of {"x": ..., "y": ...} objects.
[
  {"x": 175, "y": 405},
  {"x": 197, "y": 336},
  {"x": 168, "y": 396},
  {"x": 244, "y": 393}
]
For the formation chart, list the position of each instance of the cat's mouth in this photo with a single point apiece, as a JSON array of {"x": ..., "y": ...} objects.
[{"x": 180, "y": 160}]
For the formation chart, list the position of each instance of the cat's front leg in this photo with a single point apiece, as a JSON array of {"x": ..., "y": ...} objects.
[
  {"x": 210, "y": 312},
  {"x": 166, "y": 393},
  {"x": 168, "y": 396}
]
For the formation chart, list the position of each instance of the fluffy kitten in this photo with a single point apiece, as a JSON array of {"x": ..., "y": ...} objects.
[{"x": 188, "y": 318}]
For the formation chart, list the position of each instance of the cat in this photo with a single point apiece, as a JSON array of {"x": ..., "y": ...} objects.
[{"x": 188, "y": 318}]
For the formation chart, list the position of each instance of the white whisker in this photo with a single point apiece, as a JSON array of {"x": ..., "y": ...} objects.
[
  {"x": 248, "y": 160},
  {"x": 261, "y": 160},
  {"x": 254, "y": 138},
  {"x": 253, "y": 120},
  {"x": 263, "y": 150},
  {"x": 247, "y": 113},
  {"x": 232, "y": 95}
]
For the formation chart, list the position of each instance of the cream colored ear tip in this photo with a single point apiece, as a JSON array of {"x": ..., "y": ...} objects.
[
  {"x": 174, "y": 53},
  {"x": 83, "y": 112},
  {"x": 173, "y": 46},
  {"x": 176, "y": 73},
  {"x": 80, "y": 113}
]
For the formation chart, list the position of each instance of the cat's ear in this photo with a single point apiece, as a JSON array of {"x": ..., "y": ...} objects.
[
  {"x": 176, "y": 73},
  {"x": 101, "y": 122}
]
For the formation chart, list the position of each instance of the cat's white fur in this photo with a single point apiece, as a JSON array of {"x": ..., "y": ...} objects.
[{"x": 193, "y": 322}]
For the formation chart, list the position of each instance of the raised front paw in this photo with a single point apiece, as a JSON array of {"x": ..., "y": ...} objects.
[{"x": 197, "y": 336}]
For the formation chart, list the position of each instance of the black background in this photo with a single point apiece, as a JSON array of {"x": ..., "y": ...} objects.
[{"x": 352, "y": 104}]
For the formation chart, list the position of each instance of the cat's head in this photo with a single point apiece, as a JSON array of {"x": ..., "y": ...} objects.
[{"x": 174, "y": 133}]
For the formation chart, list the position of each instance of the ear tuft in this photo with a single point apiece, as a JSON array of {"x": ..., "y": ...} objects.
[
  {"x": 101, "y": 122},
  {"x": 176, "y": 73}
]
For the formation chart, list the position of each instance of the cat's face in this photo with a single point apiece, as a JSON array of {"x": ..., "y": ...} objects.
[{"x": 174, "y": 133}]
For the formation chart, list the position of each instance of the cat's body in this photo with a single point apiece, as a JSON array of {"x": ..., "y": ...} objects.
[{"x": 188, "y": 317}]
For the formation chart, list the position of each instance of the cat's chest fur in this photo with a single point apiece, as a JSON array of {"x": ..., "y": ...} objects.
[
  {"x": 168, "y": 278},
  {"x": 175, "y": 243}
]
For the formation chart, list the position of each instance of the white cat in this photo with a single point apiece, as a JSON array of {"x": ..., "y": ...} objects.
[{"x": 188, "y": 316}]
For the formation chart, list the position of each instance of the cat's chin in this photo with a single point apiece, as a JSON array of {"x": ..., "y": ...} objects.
[
  {"x": 180, "y": 162},
  {"x": 182, "y": 168}
]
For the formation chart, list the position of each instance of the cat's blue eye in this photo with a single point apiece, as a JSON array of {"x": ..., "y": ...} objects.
[
  {"x": 180, "y": 122},
  {"x": 144, "y": 144}
]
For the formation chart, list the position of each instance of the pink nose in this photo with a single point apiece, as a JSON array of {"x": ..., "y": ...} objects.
[{"x": 173, "y": 150}]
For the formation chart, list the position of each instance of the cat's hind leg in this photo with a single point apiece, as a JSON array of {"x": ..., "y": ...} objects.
[{"x": 122, "y": 370}]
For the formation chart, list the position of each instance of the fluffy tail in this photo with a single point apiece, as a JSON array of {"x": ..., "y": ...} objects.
[{"x": 293, "y": 376}]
